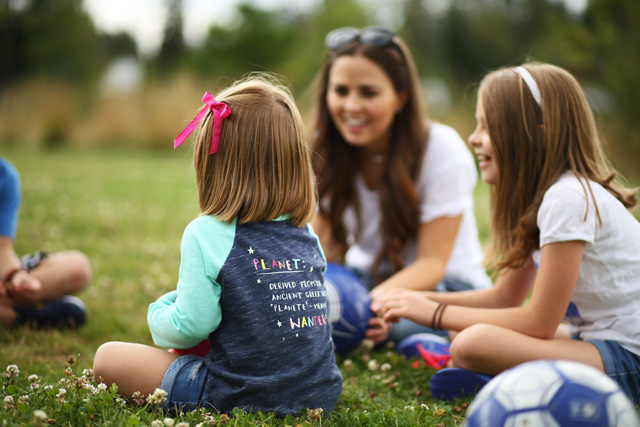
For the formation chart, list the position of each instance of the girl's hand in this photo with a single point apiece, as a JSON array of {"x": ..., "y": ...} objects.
[
  {"x": 403, "y": 303},
  {"x": 378, "y": 330}
]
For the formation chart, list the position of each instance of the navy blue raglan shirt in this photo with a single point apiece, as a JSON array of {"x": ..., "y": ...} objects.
[{"x": 257, "y": 292}]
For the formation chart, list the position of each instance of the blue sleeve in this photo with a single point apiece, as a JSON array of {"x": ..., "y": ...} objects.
[
  {"x": 9, "y": 199},
  {"x": 186, "y": 316}
]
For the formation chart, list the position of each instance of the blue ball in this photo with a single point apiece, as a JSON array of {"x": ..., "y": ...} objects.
[
  {"x": 551, "y": 393},
  {"x": 348, "y": 304}
]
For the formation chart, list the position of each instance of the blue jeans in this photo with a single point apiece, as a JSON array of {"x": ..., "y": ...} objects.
[
  {"x": 622, "y": 366},
  {"x": 184, "y": 383}
]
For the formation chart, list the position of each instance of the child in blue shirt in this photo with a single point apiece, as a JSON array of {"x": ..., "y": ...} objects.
[{"x": 251, "y": 274}]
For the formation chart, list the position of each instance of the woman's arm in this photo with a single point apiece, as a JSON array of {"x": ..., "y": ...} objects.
[
  {"x": 552, "y": 290},
  {"x": 434, "y": 245},
  {"x": 332, "y": 249}
]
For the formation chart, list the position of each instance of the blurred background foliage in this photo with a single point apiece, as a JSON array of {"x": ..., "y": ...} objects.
[{"x": 64, "y": 83}]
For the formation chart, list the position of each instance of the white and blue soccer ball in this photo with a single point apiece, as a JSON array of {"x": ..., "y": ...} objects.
[
  {"x": 348, "y": 306},
  {"x": 551, "y": 393}
]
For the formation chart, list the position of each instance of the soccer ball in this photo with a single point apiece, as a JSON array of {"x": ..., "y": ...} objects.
[
  {"x": 348, "y": 304},
  {"x": 551, "y": 393}
]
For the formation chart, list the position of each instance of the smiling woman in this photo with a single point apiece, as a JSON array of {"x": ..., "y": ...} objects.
[{"x": 396, "y": 190}]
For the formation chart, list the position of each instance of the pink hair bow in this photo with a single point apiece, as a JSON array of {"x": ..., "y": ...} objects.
[{"x": 220, "y": 111}]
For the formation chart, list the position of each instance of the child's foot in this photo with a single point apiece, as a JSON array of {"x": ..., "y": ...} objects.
[
  {"x": 430, "y": 342},
  {"x": 454, "y": 383},
  {"x": 66, "y": 312}
]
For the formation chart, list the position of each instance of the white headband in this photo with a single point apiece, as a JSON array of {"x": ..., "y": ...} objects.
[{"x": 531, "y": 83}]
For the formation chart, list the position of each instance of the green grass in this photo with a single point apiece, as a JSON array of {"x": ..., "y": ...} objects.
[{"x": 127, "y": 209}]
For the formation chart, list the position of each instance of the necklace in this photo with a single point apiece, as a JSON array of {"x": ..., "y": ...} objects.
[{"x": 377, "y": 158}]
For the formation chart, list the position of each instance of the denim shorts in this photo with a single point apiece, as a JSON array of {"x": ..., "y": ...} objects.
[
  {"x": 622, "y": 366},
  {"x": 184, "y": 383}
]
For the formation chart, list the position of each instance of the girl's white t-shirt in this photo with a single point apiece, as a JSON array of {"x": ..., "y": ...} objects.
[
  {"x": 606, "y": 302},
  {"x": 445, "y": 186}
]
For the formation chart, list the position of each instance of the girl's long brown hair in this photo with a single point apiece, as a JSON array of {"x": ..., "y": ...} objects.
[
  {"x": 336, "y": 163},
  {"x": 533, "y": 146},
  {"x": 262, "y": 169}
]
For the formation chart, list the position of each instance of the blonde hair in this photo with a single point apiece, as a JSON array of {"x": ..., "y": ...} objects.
[
  {"x": 262, "y": 169},
  {"x": 533, "y": 146}
]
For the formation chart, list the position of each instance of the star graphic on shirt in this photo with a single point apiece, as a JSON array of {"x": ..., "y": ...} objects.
[
  {"x": 251, "y": 250},
  {"x": 311, "y": 269},
  {"x": 279, "y": 323},
  {"x": 259, "y": 281}
]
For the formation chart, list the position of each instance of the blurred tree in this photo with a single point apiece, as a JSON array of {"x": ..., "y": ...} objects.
[
  {"x": 172, "y": 47},
  {"x": 118, "y": 45},
  {"x": 47, "y": 39},
  {"x": 613, "y": 34},
  {"x": 259, "y": 42}
]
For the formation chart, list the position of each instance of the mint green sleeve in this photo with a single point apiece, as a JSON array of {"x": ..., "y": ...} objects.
[
  {"x": 313, "y": 233},
  {"x": 186, "y": 316}
]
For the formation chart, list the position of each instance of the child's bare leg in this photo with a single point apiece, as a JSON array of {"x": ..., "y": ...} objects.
[
  {"x": 61, "y": 273},
  {"x": 491, "y": 349},
  {"x": 132, "y": 367}
]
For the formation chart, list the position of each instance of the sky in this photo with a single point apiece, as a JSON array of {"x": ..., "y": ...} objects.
[{"x": 144, "y": 19}]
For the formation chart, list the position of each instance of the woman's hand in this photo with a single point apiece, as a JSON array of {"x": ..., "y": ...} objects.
[{"x": 404, "y": 303}]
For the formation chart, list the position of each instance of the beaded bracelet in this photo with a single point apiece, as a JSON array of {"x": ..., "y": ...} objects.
[{"x": 436, "y": 321}]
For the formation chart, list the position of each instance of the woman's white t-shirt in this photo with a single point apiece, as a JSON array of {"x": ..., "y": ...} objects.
[
  {"x": 606, "y": 302},
  {"x": 445, "y": 186}
]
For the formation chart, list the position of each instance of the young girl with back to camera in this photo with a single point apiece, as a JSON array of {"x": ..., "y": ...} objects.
[
  {"x": 251, "y": 272},
  {"x": 561, "y": 236}
]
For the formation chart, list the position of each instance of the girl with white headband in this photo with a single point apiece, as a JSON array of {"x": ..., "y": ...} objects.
[{"x": 561, "y": 237}]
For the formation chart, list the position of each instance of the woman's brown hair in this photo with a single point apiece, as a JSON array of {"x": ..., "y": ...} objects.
[
  {"x": 534, "y": 144},
  {"x": 262, "y": 169},
  {"x": 335, "y": 162}
]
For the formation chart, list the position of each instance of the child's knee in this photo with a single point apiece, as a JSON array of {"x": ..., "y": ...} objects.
[
  {"x": 79, "y": 270},
  {"x": 471, "y": 346},
  {"x": 103, "y": 360}
]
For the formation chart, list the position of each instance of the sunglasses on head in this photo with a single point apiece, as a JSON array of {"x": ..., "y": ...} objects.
[{"x": 372, "y": 36}]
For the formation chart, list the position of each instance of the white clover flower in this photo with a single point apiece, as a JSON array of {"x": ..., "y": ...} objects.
[
  {"x": 409, "y": 408},
  {"x": 8, "y": 400},
  {"x": 12, "y": 371},
  {"x": 348, "y": 363},
  {"x": 88, "y": 372},
  {"x": 373, "y": 365},
  {"x": 48, "y": 387},
  {"x": 183, "y": 424},
  {"x": 168, "y": 421},
  {"x": 61, "y": 392},
  {"x": 34, "y": 386},
  {"x": 157, "y": 397},
  {"x": 120, "y": 401},
  {"x": 424, "y": 406},
  {"x": 385, "y": 367},
  {"x": 39, "y": 415},
  {"x": 32, "y": 378},
  {"x": 157, "y": 423},
  {"x": 102, "y": 387},
  {"x": 367, "y": 344}
]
